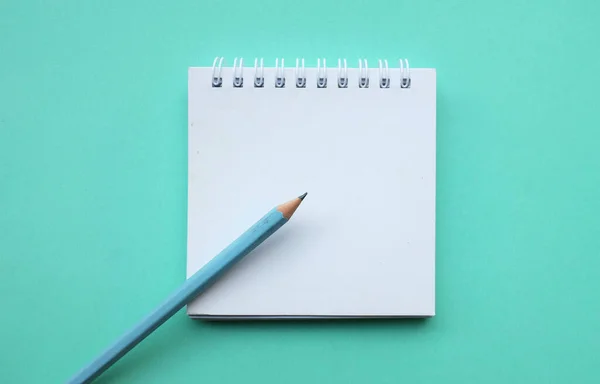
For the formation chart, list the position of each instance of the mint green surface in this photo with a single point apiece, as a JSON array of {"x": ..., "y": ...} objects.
[{"x": 93, "y": 167}]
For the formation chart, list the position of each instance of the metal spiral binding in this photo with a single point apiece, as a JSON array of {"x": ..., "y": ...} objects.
[
  {"x": 385, "y": 80},
  {"x": 363, "y": 74},
  {"x": 300, "y": 75},
  {"x": 217, "y": 79},
  {"x": 279, "y": 74},
  {"x": 321, "y": 74},
  {"x": 384, "y": 75},
  {"x": 405, "y": 80},
  {"x": 342, "y": 74},
  {"x": 238, "y": 80},
  {"x": 259, "y": 74}
]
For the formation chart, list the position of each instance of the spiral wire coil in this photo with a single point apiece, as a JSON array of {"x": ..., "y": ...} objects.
[{"x": 301, "y": 81}]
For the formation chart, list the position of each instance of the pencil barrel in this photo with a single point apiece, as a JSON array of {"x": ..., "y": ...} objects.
[{"x": 191, "y": 288}]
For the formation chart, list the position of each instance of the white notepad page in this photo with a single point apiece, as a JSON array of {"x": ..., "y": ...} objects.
[{"x": 363, "y": 241}]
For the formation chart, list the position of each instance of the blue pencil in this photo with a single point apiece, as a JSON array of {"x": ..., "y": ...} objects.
[{"x": 191, "y": 288}]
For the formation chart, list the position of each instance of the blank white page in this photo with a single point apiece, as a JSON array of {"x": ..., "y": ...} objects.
[{"x": 363, "y": 241}]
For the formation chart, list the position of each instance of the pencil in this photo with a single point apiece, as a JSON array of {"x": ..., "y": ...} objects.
[{"x": 191, "y": 288}]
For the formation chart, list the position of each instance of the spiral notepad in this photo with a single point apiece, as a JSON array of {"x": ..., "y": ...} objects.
[{"x": 361, "y": 140}]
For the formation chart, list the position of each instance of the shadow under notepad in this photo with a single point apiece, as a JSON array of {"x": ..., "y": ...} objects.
[
  {"x": 318, "y": 322},
  {"x": 399, "y": 329}
]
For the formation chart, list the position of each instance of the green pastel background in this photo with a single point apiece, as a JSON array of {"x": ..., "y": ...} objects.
[{"x": 93, "y": 177}]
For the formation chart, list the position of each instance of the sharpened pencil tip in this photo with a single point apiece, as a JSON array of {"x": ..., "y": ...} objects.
[
  {"x": 301, "y": 197},
  {"x": 288, "y": 208}
]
